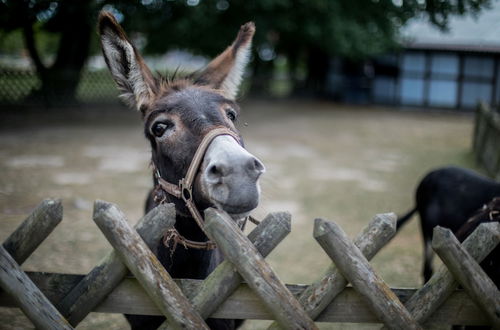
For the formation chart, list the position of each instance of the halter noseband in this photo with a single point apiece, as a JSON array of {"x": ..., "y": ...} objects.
[{"x": 184, "y": 190}]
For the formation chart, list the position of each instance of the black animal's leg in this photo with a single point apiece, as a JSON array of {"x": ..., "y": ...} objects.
[{"x": 428, "y": 255}]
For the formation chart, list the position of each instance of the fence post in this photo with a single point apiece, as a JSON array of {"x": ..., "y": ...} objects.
[
  {"x": 428, "y": 298},
  {"x": 32, "y": 231},
  {"x": 256, "y": 271},
  {"x": 150, "y": 273},
  {"x": 321, "y": 293},
  {"x": 487, "y": 139},
  {"x": 468, "y": 273},
  {"x": 103, "y": 278},
  {"x": 224, "y": 280},
  {"x": 355, "y": 268},
  {"x": 29, "y": 298}
]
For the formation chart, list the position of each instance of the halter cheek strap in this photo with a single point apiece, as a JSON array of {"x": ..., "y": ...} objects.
[{"x": 184, "y": 189}]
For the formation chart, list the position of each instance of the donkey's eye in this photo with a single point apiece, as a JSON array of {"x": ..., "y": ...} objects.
[
  {"x": 231, "y": 114},
  {"x": 159, "y": 129}
]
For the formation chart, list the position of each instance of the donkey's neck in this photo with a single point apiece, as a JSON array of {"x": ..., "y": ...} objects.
[
  {"x": 187, "y": 227},
  {"x": 183, "y": 262}
]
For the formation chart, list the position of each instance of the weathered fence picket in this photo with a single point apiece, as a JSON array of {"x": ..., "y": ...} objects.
[
  {"x": 146, "y": 268},
  {"x": 355, "y": 268},
  {"x": 256, "y": 271},
  {"x": 99, "y": 282},
  {"x": 224, "y": 280},
  {"x": 27, "y": 295},
  {"x": 468, "y": 273},
  {"x": 435, "y": 292},
  {"x": 186, "y": 303},
  {"x": 34, "y": 229},
  {"x": 322, "y": 292}
]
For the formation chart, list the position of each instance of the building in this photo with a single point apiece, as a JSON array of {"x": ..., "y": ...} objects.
[{"x": 435, "y": 69}]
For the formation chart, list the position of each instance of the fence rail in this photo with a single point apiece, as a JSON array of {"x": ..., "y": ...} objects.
[
  {"x": 186, "y": 303},
  {"x": 348, "y": 307}
]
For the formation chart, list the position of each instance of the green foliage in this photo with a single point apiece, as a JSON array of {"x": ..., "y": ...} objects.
[
  {"x": 307, "y": 32},
  {"x": 352, "y": 28}
]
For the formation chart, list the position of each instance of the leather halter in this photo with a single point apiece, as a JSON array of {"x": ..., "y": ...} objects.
[{"x": 184, "y": 189}]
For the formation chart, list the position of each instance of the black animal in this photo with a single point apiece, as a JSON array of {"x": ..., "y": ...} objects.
[
  {"x": 489, "y": 213},
  {"x": 490, "y": 264},
  {"x": 178, "y": 115},
  {"x": 448, "y": 197}
]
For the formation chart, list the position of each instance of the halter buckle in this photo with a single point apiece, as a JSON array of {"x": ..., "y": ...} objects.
[{"x": 186, "y": 190}]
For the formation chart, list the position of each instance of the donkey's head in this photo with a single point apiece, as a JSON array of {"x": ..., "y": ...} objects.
[{"x": 178, "y": 114}]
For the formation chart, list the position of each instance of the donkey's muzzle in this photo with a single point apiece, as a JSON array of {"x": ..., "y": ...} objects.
[{"x": 230, "y": 176}]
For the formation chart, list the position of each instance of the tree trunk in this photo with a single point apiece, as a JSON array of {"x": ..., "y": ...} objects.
[
  {"x": 317, "y": 72},
  {"x": 262, "y": 76},
  {"x": 59, "y": 82}
]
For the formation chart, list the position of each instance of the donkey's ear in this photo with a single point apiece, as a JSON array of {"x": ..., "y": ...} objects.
[
  {"x": 127, "y": 67},
  {"x": 226, "y": 70}
]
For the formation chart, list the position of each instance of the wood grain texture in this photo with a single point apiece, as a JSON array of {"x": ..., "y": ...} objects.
[
  {"x": 357, "y": 270},
  {"x": 321, "y": 293},
  {"x": 146, "y": 268},
  {"x": 224, "y": 280},
  {"x": 435, "y": 292},
  {"x": 130, "y": 298},
  {"x": 468, "y": 273},
  {"x": 34, "y": 230},
  {"x": 103, "y": 278},
  {"x": 27, "y": 296},
  {"x": 256, "y": 271}
]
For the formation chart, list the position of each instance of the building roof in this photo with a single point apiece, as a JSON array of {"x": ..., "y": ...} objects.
[{"x": 467, "y": 33}]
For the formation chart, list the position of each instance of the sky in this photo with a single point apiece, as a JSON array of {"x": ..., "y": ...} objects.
[{"x": 483, "y": 30}]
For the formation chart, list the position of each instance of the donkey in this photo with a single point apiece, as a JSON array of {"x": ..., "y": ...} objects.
[
  {"x": 189, "y": 121},
  {"x": 448, "y": 197}
]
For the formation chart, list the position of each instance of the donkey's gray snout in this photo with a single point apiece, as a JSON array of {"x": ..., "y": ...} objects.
[{"x": 219, "y": 171}]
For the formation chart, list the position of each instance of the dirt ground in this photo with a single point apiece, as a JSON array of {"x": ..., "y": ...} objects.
[{"x": 323, "y": 160}]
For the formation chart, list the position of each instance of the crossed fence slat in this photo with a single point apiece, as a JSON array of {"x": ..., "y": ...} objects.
[
  {"x": 103, "y": 278},
  {"x": 256, "y": 271},
  {"x": 205, "y": 297},
  {"x": 322, "y": 292},
  {"x": 15, "y": 250},
  {"x": 355, "y": 268},
  {"x": 434, "y": 293},
  {"x": 146, "y": 268},
  {"x": 34, "y": 229},
  {"x": 224, "y": 280},
  {"x": 31, "y": 300},
  {"x": 468, "y": 273}
]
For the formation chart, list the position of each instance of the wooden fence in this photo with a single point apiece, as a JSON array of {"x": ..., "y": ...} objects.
[
  {"x": 244, "y": 286},
  {"x": 486, "y": 142}
]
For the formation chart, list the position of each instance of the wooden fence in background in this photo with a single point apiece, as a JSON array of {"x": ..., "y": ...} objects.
[
  {"x": 486, "y": 141},
  {"x": 245, "y": 286}
]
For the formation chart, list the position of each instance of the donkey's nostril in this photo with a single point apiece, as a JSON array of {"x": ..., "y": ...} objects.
[
  {"x": 255, "y": 166},
  {"x": 216, "y": 172},
  {"x": 259, "y": 166}
]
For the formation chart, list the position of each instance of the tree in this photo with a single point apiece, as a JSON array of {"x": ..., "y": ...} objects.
[
  {"x": 308, "y": 32},
  {"x": 72, "y": 21}
]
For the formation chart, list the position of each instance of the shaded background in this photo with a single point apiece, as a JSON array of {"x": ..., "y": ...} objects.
[{"x": 348, "y": 103}]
